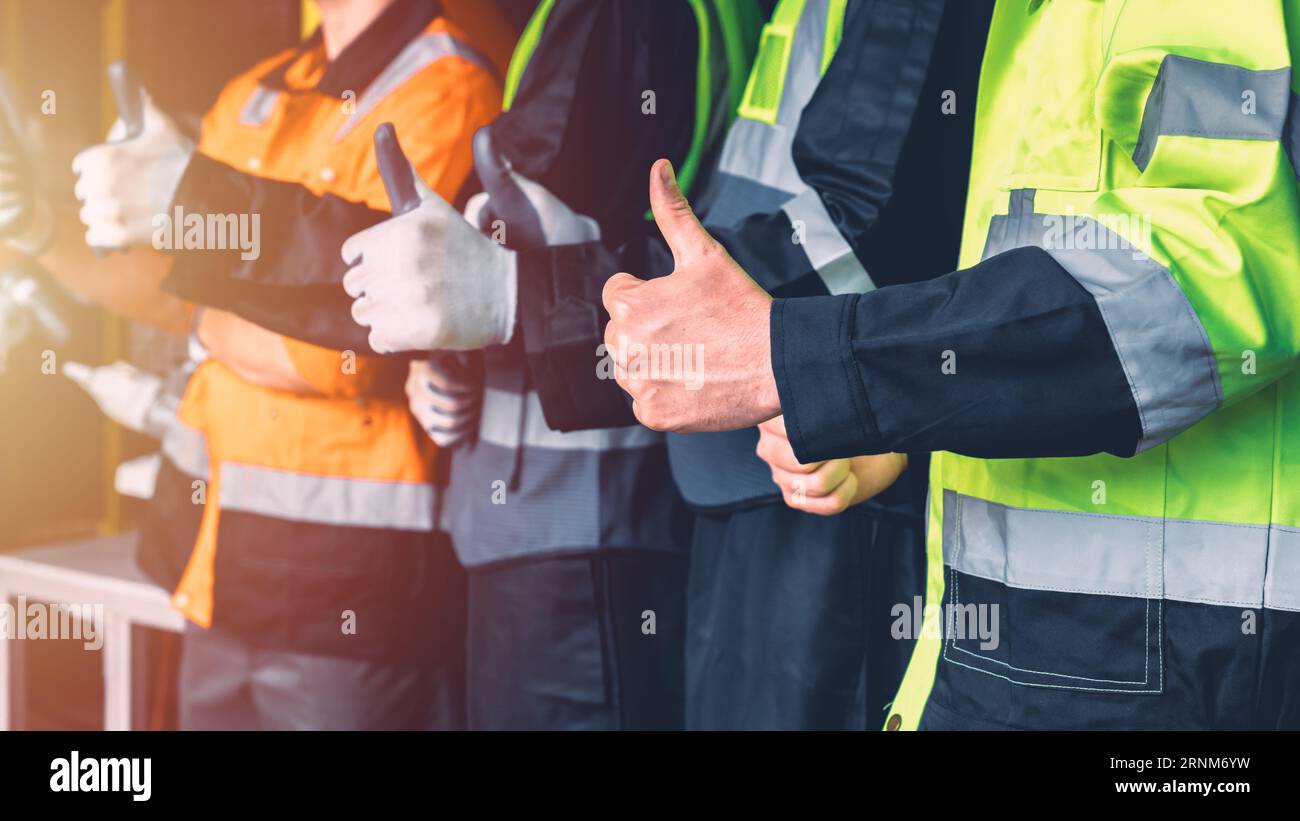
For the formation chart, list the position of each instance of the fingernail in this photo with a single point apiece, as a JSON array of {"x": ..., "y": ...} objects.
[{"x": 667, "y": 175}]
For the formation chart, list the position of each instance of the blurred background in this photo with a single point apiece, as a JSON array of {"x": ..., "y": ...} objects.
[
  {"x": 58, "y": 453},
  {"x": 61, "y": 519}
]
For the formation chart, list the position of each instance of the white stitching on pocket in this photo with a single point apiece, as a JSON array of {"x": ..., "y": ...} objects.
[{"x": 1137, "y": 687}]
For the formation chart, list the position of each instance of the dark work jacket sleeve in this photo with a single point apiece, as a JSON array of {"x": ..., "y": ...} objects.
[
  {"x": 874, "y": 142},
  {"x": 1009, "y": 358},
  {"x": 577, "y": 126},
  {"x": 292, "y": 286}
]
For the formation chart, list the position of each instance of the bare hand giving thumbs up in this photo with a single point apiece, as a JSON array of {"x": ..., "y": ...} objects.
[{"x": 692, "y": 348}]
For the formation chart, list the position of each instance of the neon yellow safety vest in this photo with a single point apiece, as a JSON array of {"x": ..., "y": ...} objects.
[
  {"x": 1155, "y": 134},
  {"x": 757, "y": 170}
]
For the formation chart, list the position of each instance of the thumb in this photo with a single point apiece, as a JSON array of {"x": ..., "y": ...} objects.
[
  {"x": 155, "y": 119},
  {"x": 510, "y": 202},
  {"x": 402, "y": 182},
  {"x": 130, "y": 98},
  {"x": 77, "y": 372},
  {"x": 677, "y": 222}
]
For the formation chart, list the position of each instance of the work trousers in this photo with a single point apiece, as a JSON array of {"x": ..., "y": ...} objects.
[
  {"x": 789, "y": 617},
  {"x": 250, "y": 678},
  {"x": 585, "y": 640}
]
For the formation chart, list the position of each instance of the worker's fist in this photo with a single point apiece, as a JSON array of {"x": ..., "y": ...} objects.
[
  {"x": 691, "y": 348},
  {"x": 26, "y": 222},
  {"x": 428, "y": 279},
  {"x": 128, "y": 182},
  {"x": 446, "y": 397},
  {"x": 519, "y": 212},
  {"x": 824, "y": 488}
]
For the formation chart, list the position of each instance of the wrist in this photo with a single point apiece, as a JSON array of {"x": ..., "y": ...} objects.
[{"x": 769, "y": 398}]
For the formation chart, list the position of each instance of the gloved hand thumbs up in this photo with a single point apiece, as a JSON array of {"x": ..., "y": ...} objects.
[
  {"x": 425, "y": 279},
  {"x": 533, "y": 216},
  {"x": 126, "y": 184}
]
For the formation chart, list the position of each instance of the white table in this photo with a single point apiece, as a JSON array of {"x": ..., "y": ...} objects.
[{"x": 94, "y": 571}]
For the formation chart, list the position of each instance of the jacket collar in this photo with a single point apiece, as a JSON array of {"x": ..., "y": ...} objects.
[{"x": 360, "y": 63}]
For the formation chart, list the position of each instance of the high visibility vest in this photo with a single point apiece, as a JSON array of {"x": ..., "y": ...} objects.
[
  {"x": 1146, "y": 149},
  {"x": 333, "y": 489},
  {"x": 756, "y": 172}
]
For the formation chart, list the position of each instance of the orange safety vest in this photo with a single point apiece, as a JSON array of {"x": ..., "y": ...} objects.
[{"x": 331, "y": 483}]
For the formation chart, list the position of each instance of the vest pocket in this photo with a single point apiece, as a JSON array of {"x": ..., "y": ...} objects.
[{"x": 1064, "y": 600}]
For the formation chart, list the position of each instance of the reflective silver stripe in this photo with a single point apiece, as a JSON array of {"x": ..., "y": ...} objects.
[
  {"x": 1282, "y": 582},
  {"x": 827, "y": 250},
  {"x": 419, "y": 54},
  {"x": 764, "y": 153},
  {"x": 761, "y": 152},
  {"x": 187, "y": 449},
  {"x": 1196, "y": 98},
  {"x": 804, "y": 71},
  {"x": 326, "y": 500},
  {"x": 1161, "y": 343},
  {"x": 258, "y": 107},
  {"x": 502, "y": 426},
  {"x": 1218, "y": 563}
]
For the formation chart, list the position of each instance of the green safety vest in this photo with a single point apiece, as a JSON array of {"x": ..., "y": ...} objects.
[
  {"x": 1145, "y": 146},
  {"x": 810, "y": 26},
  {"x": 794, "y": 51},
  {"x": 730, "y": 24}
]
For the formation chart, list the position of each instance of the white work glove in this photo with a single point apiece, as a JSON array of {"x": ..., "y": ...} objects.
[
  {"x": 126, "y": 394},
  {"x": 26, "y": 221},
  {"x": 429, "y": 280},
  {"x": 125, "y": 183},
  {"x": 138, "y": 477},
  {"x": 445, "y": 399}
]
